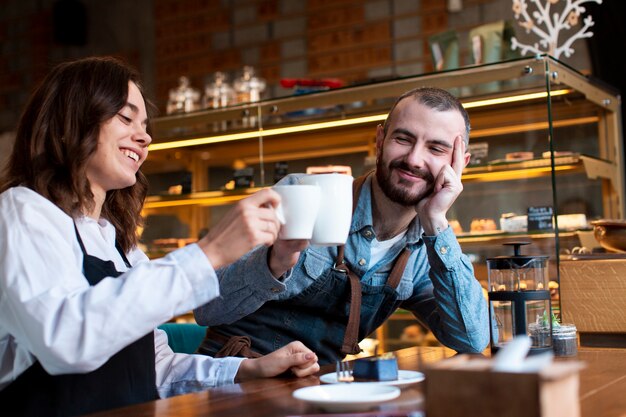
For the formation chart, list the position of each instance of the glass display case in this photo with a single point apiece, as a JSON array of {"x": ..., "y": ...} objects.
[{"x": 546, "y": 144}]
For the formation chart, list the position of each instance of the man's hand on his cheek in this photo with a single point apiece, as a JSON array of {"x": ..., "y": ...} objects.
[{"x": 432, "y": 210}]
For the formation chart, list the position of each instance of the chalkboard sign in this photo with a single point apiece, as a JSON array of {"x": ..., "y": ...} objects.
[{"x": 540, "y": 218}]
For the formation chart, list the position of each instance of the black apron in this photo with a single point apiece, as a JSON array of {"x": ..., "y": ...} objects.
[{"x": 128, "y": 377}]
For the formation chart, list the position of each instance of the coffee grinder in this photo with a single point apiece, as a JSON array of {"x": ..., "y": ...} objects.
[{"x": 519, "y": 299}]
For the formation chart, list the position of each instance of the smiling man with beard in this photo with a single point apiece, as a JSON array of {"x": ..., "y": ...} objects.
[{"x": 400, "y": 253}]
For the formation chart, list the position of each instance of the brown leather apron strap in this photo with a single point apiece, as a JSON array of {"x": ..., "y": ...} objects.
[
  {"x": 395, "y": 276},
  {"x": 350, "y": 343},
  {"x": 233, "y": 345},
  {"x": 357, "y": 184}
]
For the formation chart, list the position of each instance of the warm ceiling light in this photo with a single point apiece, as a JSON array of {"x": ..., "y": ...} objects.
[
  {"x": 514, "y": 99},
  {"x": 334, "y": 123}
]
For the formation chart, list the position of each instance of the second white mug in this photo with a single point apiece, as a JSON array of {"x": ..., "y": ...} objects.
[{"x": 335, "y": 213}]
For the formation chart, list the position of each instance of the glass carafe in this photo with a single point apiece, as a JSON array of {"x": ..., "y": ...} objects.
[{"x": 519, "y": 299}]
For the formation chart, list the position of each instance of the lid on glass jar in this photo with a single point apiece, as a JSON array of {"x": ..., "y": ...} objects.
[{"x": 517, "y": 260}]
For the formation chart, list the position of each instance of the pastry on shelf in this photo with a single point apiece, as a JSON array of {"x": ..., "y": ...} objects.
[
  {"x": 519, "y": 156},
  {"x": 558, "y": 154},
  {"x": 572, "y": 221},
  {"x": 512, "y": 223},
  {"x": 483, "y": 225}
]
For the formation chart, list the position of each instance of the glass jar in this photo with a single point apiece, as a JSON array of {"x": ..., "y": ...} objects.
[
  {"x": 218, "y": 93},
  {"x": 248, "y": 89},
  {"x": 248, "y": 86},
  {"x": 565, "y": 340},
  {"x": 184, "y": 98}
]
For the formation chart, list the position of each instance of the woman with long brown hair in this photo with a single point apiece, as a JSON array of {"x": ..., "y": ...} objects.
[{"x": 79, "y": 301}]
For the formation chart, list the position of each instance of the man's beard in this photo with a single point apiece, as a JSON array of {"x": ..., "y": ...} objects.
[{"x": 396, "y": 192}]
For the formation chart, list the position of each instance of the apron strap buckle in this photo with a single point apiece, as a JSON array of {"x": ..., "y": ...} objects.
[{"x": 342, "y": 267}]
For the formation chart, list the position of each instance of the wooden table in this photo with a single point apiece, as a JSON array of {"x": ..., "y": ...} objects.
[{"x": 602, "y": 391}]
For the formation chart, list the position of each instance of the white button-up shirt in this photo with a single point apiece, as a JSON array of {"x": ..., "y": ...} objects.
[{"x": 50, "y": 313}]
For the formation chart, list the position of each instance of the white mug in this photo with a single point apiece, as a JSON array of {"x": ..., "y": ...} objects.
[
  {"x": 335, "y": 213},
  {"x": 298, "y": 210}
]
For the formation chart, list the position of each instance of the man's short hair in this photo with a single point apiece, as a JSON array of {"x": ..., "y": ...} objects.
[{"x": 435, "y": 98}]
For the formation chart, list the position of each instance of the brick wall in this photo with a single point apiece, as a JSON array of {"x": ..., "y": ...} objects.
[
  {"x": 28, "y": 48},
  {"x": 355, "y": 40},
  {"x": 23, "y": 58}
]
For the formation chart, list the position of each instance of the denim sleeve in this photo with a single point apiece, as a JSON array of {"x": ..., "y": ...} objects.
[
  {"x": 456, "y": 310},
  {"x": 244, "y": 287}
]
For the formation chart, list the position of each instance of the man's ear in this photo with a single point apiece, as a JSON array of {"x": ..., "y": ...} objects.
[
  {"x": 380, "y": 138},
  {"x": 466, "y": 158}
]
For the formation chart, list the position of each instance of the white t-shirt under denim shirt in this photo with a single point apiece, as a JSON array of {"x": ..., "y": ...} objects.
[{"x": 379, "y": 248}]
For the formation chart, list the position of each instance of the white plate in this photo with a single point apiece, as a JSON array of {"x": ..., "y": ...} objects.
[
  {"x": 404, "y": 378},
  {"x": 347, "y": 397}
]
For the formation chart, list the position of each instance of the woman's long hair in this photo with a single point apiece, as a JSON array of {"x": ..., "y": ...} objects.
[{"x": 58, "y": 133}]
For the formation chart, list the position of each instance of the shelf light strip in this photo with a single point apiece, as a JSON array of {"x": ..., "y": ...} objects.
[
  {"x": 514, "y": 99},
  {"x": 205, "y": 201},
  {"x": 518, "y": 173},
  {"x": 334, "y": 123},
  {"x": 264, "y": 133}
]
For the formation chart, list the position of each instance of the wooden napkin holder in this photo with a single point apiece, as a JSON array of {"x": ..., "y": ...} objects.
[{"x": 465, "y": 385}]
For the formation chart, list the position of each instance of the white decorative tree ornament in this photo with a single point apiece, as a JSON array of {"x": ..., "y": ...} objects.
[{"x": 547, "y": 26}]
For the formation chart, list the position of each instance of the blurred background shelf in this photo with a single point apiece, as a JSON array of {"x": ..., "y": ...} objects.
[{"x": 571, "y": 127}]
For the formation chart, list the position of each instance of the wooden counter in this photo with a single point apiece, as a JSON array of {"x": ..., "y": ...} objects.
[
  {"x": 592, "y": 291},
  {"x": 602, "y": 391}
]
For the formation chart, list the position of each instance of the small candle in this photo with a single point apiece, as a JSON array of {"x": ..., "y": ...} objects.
[{"x": 564, "y": 340}]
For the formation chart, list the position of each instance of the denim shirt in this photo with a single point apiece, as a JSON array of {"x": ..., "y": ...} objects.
[{"x": 438, "y": 284}]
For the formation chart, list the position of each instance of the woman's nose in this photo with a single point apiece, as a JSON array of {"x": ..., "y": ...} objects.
[{"x": 142, "y": 137}]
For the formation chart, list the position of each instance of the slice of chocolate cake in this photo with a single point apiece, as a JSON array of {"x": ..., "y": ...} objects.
[{"x": 377, "y": 368}]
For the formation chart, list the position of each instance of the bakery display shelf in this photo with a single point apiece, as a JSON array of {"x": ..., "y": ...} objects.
[
  {"x": 501, "y": 172},
  {"x": 518, "y": 108},
  {"x": 340, "y": 122},
  {"x": 593, "y": 167},
  {"x": 512, "y": 170}
]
